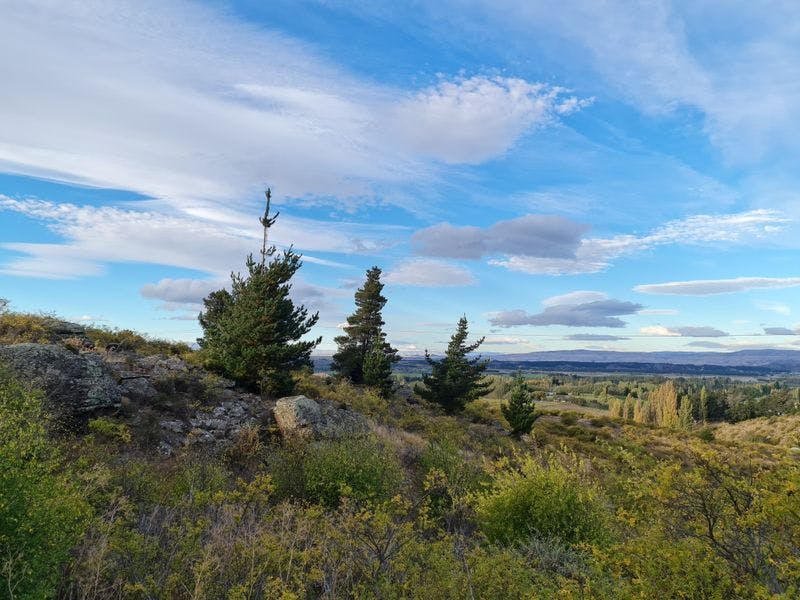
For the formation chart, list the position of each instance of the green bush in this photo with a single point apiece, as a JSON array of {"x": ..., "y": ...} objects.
[
  {"x": 533, "y": 499},
  {"x": 324, "y": 472},
  {"x": 42, "y": 510}
]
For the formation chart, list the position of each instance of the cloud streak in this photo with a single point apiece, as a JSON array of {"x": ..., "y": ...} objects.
[
  {"x": 598, "y": 313},
  {"x": 709, "y": 287},
  {"x": 422, "y": 272},
  {"x": 597, "y": 254},
  {"x": 531, "y": 235}
]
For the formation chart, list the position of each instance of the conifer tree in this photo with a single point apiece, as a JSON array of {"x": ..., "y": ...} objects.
[
  {"x": 363, "y": 332},
  {"x": 378, "y": 372},
  {"x": 520, "y": 411},
  {"x": 253, "y": 333},
  {"x": 455, "y": 380}
]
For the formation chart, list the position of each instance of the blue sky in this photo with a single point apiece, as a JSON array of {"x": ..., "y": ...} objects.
[{"x": 611, "y": 175}]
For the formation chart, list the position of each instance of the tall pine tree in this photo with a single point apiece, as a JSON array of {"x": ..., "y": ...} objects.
[
  {"x": 363, "y": 332},
  {"x": 253, "y": 333},
  {"x": 456, "y": 379}
]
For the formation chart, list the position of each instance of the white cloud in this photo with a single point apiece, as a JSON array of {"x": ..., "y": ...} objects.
[
  {"x": 576, "y": 297},
  {"x": 472, "y": 120},
  {"x": 594, "y": 337},
  {"x": 180, "y": 291},
  {"x": 423, "y": 272},
  {"x": 687, "y": 331},
  {"x": 776, "y": 307},
  {"x": 596, "y": 254},
  {"x": 505, "y": 341},
  {"x": 659, "y": 311},
  {"x": 708, "y": 287}
]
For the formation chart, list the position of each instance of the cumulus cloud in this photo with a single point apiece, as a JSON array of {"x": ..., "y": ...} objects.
[
  {"x": 708, "y": 287},
  {"x": 474, "y": 119},
  {"x": 531, "y": 235},
  {"x": 593, "y": 255},
  {"x": 779, "y": 331},
  {"x": 422, "y": 272},
  {"x": 687, "y": 331},
  {"x": 598, "y": 313},
  {"x": 594, "y": 337}
]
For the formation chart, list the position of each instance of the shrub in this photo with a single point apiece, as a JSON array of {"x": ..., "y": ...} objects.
[
  {"x": 543, "y": 500},
  {"x": 42, "y": 510},
  {"x": 323, "y": 472},
  {"x": 110, "y": 431}
]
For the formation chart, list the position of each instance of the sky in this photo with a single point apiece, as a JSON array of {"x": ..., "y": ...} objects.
[{"x": 607, "y": 175}]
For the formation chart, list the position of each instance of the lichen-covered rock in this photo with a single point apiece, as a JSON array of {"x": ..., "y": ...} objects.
[
  {"x": 75, "y": 384},
  {"x": 299, "y": 417},
  {"x": 138, "y": 388}
]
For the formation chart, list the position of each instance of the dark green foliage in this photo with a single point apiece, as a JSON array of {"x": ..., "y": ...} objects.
[
  {"x": 42, "y": 509},
  {"x": 455, "y": 380},
  {"x": 378, "y": 372},
  {"x": 363, "y": 332},
  {"x": 520, "y": 411},
  {"x": 253, "y": 333}
]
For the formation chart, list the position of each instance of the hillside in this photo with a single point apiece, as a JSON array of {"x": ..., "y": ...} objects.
[{"x": 146, "y": 476}]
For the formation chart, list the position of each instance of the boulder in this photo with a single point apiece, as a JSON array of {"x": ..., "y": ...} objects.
[
  {"x": 299, "y": 417},
  {"x": 75, "y": 384}
]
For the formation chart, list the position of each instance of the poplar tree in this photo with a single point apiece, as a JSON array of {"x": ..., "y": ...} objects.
[
  {"x": 520, "y": 411},
  {"x": 253, "y": 333},
  {"x": 455, "y": 380},
  {"x": 364, "y": 332}
]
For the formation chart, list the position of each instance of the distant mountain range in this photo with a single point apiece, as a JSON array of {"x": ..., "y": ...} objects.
[{"x": 750, "y": 363}]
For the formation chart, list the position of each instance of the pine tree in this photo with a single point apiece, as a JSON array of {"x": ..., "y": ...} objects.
[
  {"x": 378, "y": 372},
  {"x": 252, "y": 333},
  {"x": 520, "y": 411},
  {"x": 363, "y": 332},
  {"x": 455, "y": 380}
]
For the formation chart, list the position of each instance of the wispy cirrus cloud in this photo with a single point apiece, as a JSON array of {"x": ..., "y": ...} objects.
[
  {"x": 96, "y": 236},
  {"x": 709, "y": 287},
  {"x": 594, "y": 337},
  {"x": 687, "y": 331}
]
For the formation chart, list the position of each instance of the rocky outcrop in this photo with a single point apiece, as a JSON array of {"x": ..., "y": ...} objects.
[
  {"x": 75, "y": 384},
  {"x": 299, "y": 417}
]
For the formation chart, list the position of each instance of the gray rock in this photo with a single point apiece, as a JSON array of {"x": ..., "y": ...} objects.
[
  {"x": 74, "y": 384},
  {"x": 299, "y": 417},
  {"x": 138, "y": 388}
]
